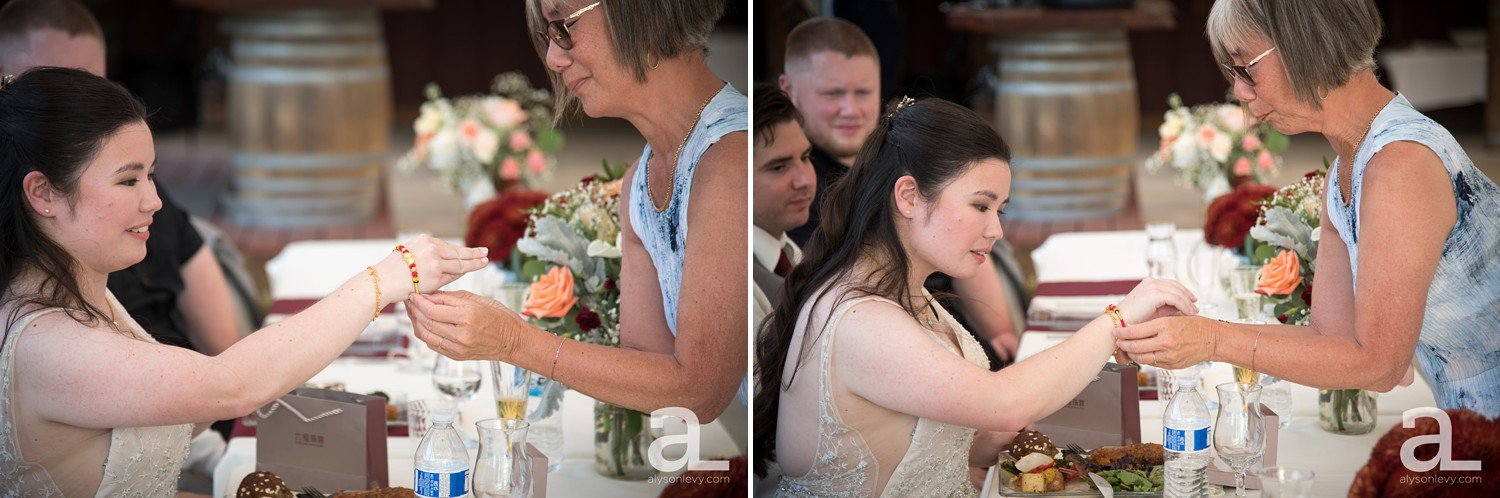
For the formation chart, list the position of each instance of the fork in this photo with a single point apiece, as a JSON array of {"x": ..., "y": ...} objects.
[
  {"x": 313, "y": 492},
  {"x": 1075, "y": 448}
]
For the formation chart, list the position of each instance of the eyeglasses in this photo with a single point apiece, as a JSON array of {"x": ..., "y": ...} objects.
[
  {"x": 1243, "y": 72},
  {"x": 557, "y": 31}
]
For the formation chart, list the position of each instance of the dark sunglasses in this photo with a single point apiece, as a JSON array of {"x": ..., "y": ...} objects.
[
  {"x": 557, "y": 31},
  {"x": 1243, "y": 71}
]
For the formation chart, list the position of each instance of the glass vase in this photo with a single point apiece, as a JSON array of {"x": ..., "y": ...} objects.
[
  {"x": 621, "y": 437},
  {"x": 1346, "y": 411},
  {"x": 503, "y": 468}
]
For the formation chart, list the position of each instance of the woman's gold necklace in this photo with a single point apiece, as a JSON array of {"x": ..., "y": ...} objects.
[{"x": 677, "y": 156}]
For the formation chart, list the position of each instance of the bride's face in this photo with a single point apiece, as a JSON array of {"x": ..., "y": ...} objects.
[{"x": 953, "y": 232}]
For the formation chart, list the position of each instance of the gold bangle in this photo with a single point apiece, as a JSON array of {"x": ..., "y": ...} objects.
[
  {"x": 376, "y": 277},
  {"x": 1253, "y": 348},
  {"x": 411, "y": 263},
  {"x": 557, "y": 353}
]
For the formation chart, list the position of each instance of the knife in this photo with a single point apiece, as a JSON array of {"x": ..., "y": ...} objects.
[{"x": 1103, "y": 485}]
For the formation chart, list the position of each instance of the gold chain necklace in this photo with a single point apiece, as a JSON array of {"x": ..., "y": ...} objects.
[
  {"x": 676, "y": 156},
  {"x": 1346, "y": 172}
]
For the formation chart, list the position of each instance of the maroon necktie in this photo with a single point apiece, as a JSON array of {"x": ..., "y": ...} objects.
[{"x": 783, "y": 265}]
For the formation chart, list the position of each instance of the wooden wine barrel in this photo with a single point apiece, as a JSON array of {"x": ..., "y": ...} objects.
[
  {"x": 1066, "y": 103},
  {"x": 309, "y": 116}
]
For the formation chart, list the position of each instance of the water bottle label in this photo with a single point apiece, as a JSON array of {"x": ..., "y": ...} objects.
[
  {"x": 442, "y": 484},
  {"x": 1185, "y": 440}
]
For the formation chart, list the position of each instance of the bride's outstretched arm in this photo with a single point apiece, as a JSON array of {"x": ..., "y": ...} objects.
[
  {"x": 884, "y": 356},
  {"x": 83, "y": 376}
]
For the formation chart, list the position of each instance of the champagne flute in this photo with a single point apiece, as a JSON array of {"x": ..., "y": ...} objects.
[
  {"x": 1247, "y": 302},
  {"x": 1239, "y": 430},
  {"x": 512, "y": 389}
]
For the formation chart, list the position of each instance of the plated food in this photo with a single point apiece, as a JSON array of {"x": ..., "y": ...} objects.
[{"x": 1033, "y": 466}]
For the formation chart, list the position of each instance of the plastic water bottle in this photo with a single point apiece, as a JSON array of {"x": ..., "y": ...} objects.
[
  {"x": 442, "y": 461},
  {"x": 1185, "y": 436}
]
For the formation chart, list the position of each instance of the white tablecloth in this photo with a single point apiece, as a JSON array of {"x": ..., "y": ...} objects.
[
  {"x": 306, "y": 270},
  {"x": 1099, "y": 256}
]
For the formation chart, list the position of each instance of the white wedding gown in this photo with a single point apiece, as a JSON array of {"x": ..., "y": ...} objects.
[
  {"x": 135, "y": 461},
  {"x": 932, "y": 460}
]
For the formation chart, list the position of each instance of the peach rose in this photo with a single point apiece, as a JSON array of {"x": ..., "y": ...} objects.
[
  {"x": 1242, "y": 167},
  {"x": 510, "y": 169},
  {"x": 552, "y": 295},
  {"x": 520, "y": 140},
  {"x": 1281, "y": 275},
  {"x": 535, "y": 161},
  {"x": 1250, "y": 142}
]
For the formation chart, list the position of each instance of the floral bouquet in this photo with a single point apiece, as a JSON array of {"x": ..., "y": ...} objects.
[
  {"x": 572, "y": 255},
  {"x": 1215, "y": 147},
  {"x": 479, "y": 142},
  {"x": 1285, "y": 241}
]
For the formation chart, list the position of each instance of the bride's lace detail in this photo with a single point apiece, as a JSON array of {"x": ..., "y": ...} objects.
[
  {"x": 936, "y": 460},
  {"x": 142, "y": 461}
]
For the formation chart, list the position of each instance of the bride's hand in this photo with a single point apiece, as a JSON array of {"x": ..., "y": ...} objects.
[
  {"x": 438, "y": 263},
  {"x": 1155, "y": 298}
]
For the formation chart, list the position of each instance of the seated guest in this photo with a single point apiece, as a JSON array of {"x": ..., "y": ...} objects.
[
  {"x": 784, "y": 187},
  {"x": 94, "y": 406},
  {"x": 178, "y": 293}
]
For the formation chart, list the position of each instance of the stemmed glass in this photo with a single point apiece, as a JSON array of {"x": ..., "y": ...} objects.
[
  {"x": 1239, "y": 430},
  {"x": 458, "y": 380},
  {"x": 1161, "y": 251}
]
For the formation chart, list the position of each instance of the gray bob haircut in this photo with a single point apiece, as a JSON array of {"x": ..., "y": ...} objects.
[
  {"x": 1321, "y": 43},
  {"x": 643, "y": 32}
]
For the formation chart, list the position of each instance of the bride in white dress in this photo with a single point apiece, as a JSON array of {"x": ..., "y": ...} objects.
[
  {"x": 866, "y": 387},
  {"x": 90, "y": 405}
]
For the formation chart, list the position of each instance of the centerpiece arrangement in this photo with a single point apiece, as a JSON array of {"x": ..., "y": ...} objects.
[
  {"x": 571, "y": 254},
  {"x": 1216, "y": 147}
]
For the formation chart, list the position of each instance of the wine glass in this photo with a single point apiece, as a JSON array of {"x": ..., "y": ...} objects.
[
  {"x": 1161, "y": 251},
  {"x": 459, "y": 380},
  {"x": 1239, "y": 430}
]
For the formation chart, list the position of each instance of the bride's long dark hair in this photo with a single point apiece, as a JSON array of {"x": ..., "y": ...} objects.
[{"x": 933, "y": 141}]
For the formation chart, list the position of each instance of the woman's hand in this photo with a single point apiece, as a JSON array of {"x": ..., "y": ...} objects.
[
  {"x": 463, "y": 326},
  {"x": 438, "y": 263},
  {"x": 1155, "y": 298},
  {"x": 1171, "y": 342}
]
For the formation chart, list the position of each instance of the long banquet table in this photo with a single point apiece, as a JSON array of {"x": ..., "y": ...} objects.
[
  {"x": 310, "y": 270},
  {"x": 1077, "y": 260}
]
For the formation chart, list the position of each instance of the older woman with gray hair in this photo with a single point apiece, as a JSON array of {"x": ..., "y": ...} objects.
[
  {"x": 1407, "y": 262},
  {"x": 683, "y": 296}
]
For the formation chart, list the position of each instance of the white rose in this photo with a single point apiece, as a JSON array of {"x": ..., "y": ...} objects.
[
  {"x": 1171, "y": 127},
  {"x": 1220, "y": 146},
  {"x": 444, "y": 149},
  {"x": 503, "y": 113},
  {"x": 430, "y": 119},
  {"x": 1232, "y": 117},
  {"x": 484, "y": 145}
]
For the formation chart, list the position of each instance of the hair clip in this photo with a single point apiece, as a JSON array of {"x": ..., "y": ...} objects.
[
  {"x": 7, "y": 80},
  {"x": 905, "y": 102}
]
